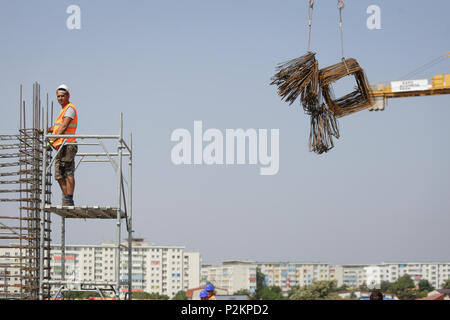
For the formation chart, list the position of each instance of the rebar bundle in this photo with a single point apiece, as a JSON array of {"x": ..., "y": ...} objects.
[
  {"x": 323, "y": 127},
  {"x": 357, "y": 100},
  {"x": 301, "y": 77},
  {"x": 295, "y": 75}
]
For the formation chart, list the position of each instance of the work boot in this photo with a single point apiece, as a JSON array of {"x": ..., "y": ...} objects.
[
  {"x": 67, "y": 202},
  {"x": 64, "y": 201}
]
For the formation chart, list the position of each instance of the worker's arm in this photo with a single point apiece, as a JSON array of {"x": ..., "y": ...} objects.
[{"x": 62, "y": 128}]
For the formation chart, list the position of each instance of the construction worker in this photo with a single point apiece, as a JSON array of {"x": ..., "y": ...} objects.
[
  {"x": 376, "y": 295},
  {"x": 66, "y": 123},
  {"x": 203, "y": 295},
  {"x": 210, "y": 289}
]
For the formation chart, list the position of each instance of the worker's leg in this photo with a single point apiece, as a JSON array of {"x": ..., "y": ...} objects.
[
  {"x": 69, "y": 172},
  {"x": 70, "y": 185},
  {"x": 63, "y": 185},
  {"x": 59, "y": 174}
]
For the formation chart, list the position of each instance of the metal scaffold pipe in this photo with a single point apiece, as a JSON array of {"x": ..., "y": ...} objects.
[
  {"x": 119, "y": 205},
  {"x": 130, "y": 216},
  {"x": 42, "y": 213}
]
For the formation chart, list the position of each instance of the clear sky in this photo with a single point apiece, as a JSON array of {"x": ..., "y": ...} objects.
[{"x": 381, "y": 194}]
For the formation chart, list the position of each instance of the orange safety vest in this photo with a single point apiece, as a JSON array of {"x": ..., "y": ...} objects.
[
  {"x": 71, "y": 128},
  {"x": 213, "y": 297}
]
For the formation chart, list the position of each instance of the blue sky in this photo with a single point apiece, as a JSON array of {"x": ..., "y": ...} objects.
[{"x": 380, "y": 195}]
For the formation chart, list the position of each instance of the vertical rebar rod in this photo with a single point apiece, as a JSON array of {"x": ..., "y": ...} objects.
[
  {"x": 20, "y": 108},
  {"x": 43, "y": 119},
  {"x": 40, "y": 110},
  {"x": 45, "y": 126},
  {"x": 39, "y": 107},
  {"x": 24, "y": 116},
  {"x": 20, "y": 203},
  {"x": 34, "y": 252},
  {"x": 23, "y": 168},
  {"x": 34, "y": 104},
  {"x": 51, "y": 119}
]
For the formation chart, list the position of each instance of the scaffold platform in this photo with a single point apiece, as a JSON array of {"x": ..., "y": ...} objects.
[{"x": 85, "y": 212}]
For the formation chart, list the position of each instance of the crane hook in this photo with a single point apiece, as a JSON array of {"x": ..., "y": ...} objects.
[{"x": 311, "y": 3}]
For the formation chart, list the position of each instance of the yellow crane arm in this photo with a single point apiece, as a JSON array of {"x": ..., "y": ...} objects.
[{"x": 439, "y": 84}]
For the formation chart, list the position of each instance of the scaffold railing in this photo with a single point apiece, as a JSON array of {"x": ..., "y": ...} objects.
[{"x": 123, "y": 208}]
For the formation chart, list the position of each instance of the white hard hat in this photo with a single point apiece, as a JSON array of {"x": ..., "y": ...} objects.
[{"x": 63, "y": 87}]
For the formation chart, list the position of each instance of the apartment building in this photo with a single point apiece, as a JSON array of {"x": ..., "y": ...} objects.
[
  {"x": 352, "y": 275},
  {"x": 155, "y": 269},
  {"x": 10, "y": 268},
  {"x": 236, "y": 275},
  {"x": 435, "y": 272},
  {"x": 290, "y": 274},
  {"x": 332, "y": 275},
  {"x": 191, "y": 268},
  {"x": 355, "y": 275},
  {"x": 232, "y": 275}
]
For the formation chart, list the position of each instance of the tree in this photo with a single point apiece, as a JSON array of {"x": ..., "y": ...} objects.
[
  {"x": 150, "y": 296},
  {"x": 386, "y": 286},
  {"x": 242, "y": 292},
  {"x": 181, "y": 295},
  {"x": 272, "y": 293},
  {"x": 446, "y": 284},
  {"x": 80, "y": 294},
  {"x": 260, "y": 284},
  {"x": 404, "y": 288},
  {"x": 344, "y": 287},
  {"x": 292, "y": 290},
  {"x": 425, "y": 285},
  {"x": 364, "y": 287},
  {"x": 318, "y": 290}
]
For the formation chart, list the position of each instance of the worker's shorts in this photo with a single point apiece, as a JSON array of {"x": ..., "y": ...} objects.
[{"x": 65, "y": 162}]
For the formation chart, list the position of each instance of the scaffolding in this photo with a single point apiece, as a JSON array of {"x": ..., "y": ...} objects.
[{"x": 25, "y": 160}]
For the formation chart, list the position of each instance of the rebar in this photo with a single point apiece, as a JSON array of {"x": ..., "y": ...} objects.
[
  {"x": 355, "y": 101},
  {"x": 21, "y": 164},
  {"x": 295, "y": 75}
]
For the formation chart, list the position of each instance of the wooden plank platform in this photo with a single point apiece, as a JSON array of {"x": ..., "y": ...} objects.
[{"x": 84, "y": 212}]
